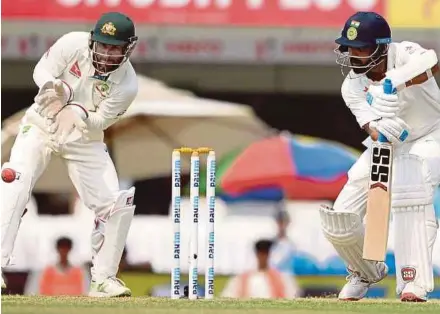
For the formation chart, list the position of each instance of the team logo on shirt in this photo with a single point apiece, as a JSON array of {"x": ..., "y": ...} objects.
[
  {"x": 100, "y": 91},
  {"x": 103, "y": 89},
  {"x": 74, "y": 70},
  {"x": 25, "y": 128},
  {"x": 109, "y": 29}
]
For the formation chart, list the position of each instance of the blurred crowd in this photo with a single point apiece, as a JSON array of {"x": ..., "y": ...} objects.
[{"x": 272, "y": 277}]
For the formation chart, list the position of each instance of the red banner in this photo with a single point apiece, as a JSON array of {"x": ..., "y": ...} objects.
[{"x": 309, "y": 13}]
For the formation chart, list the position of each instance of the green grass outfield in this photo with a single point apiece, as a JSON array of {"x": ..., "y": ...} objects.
[
  {"x": 141, "y": 283},
  {"x": 138, "y": 305}
]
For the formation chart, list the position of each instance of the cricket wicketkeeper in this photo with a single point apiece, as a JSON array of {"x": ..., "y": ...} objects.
[{"x": 86, "y": 84}]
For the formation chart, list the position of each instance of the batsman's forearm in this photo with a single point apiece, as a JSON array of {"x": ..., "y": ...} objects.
[
  {"x": 424, "y": 64},
  {"x": 97, "y": 121}
]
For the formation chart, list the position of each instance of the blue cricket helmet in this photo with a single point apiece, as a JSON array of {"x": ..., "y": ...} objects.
[{"x": 365, "y": 29}]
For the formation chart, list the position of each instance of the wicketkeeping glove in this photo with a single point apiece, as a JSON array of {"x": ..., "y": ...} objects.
[
  {"x": 70, "y": 117},
  {"x": 51, "y": 99}
]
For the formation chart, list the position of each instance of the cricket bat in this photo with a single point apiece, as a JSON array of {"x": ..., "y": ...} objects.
[
  {"x": 379, "y": 193},
  {"x": 379, "y": 196}
]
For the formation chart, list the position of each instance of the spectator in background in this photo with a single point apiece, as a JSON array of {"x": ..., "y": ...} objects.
[
  {"x": 265, "y": 282},
  {"x": 282, "y": 252},
  {"x": 63, "y": 278}
]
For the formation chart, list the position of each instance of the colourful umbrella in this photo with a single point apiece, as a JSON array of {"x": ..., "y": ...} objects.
[
  {"x": 263, "y": 194},
  {"x": 222, "y": 166},
  {"x": 301, "y": 167}
]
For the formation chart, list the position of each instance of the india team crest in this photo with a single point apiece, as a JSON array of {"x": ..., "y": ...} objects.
[{"x": 352, "y": 33}]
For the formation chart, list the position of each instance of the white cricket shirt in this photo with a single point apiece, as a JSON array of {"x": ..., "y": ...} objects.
[
  {"x": 106, "y": 99},
  {"x": 420, "y": 103}
]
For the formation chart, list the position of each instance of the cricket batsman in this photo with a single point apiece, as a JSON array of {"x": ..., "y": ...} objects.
[
  {"x": 410, "y": 120},
  {"x": 86, "y": 83}
]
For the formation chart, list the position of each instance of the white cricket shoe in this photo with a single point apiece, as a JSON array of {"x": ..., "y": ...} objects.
[
  {"x": 110, "y": 287},
  {"x": 3, "y": 281},
  {"x": 413, "y": 293},
  {"x": 357, "y": 287}
]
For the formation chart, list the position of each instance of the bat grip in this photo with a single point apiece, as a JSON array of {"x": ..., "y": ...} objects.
[
  {"x": 382, "y": 139},
  {"x": 387, "y": 89}
]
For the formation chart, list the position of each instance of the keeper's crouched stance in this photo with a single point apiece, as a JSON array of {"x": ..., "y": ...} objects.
[
  {"x": 86, "y": 84},
  {"x": 366, "y": 48}
]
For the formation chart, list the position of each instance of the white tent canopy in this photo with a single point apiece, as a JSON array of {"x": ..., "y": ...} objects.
[{"x": 160, "y": 119}]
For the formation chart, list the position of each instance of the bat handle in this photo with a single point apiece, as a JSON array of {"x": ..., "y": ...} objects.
[
  {"x": 387, "y": 89},
  {"x": 382, "y": 139}
]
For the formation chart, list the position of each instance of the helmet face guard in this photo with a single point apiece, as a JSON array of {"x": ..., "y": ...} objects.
[
  {"x": 356, "y": 63},
  {"x": 106, "y": 62}
]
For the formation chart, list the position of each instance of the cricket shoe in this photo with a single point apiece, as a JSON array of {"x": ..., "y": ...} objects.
[
  {"x": 413, "y": 293},
  {"x": 110, "y": 287},
  {"x": 3, "y": 281},
  {"x": 357, "y": 287}
]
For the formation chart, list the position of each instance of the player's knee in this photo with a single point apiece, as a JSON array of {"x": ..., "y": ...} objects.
[
  {"x": 340, "y": 227},
  {"x": 429, "y": 151},
  {"x": 353, "y": 198},
  {"x": 102, "y": 203},
  {"x": 412, "y": 182},
  {"x": 115, "y": 202}
]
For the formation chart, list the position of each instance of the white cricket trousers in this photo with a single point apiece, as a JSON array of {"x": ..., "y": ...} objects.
[
  {"x": 416, "y": 174},
  {"x": 89, "y": 166}
]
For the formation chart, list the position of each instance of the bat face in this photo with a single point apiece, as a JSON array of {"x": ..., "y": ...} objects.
[
  {"x": 379, "y": 188},
  {"x": 380, "y": 174},
  {"x": 378, "y": 203}
]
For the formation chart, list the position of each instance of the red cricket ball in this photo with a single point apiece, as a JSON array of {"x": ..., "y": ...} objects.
[{"x": 8, "y": 175}]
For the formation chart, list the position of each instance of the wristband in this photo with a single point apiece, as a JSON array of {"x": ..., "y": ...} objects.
[
  {"x": 79, "y": 109},
  {"x": 68, "y": 88}
]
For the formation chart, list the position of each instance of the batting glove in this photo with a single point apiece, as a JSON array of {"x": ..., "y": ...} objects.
[
  {"x": 383, "y": 105},
  {"x": 394, "y": 129}
]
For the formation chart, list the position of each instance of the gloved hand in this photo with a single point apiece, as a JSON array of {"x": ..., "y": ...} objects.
[
  {"x": 66, "y": 121},
  {"x": 383, "y": 105},
  {"x": 51, "y": 99},
  {"x": 394, "y": 129}
]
